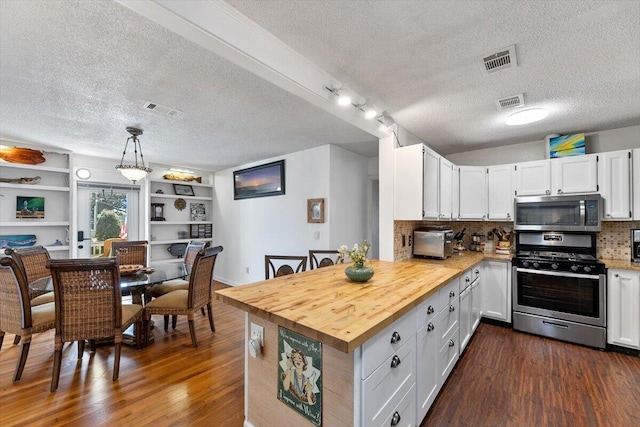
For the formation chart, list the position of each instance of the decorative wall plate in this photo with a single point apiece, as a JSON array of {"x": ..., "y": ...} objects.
[{"x": 180, "y": 204}]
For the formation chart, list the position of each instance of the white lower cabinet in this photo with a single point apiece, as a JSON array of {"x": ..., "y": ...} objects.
[
  {"x": 623, "y": 308},
  {"x": 465, "y": 317},
  {"x": 496, "y": 290}
]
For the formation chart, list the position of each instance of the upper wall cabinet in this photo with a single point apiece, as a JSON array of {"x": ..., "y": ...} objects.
[
  {"x": 614, "y": 178},
  {"x": 500, "y": 192},
  {"x": 573, "y": 175},
  {"x": 422, "y": 189},
  {"x": 473, "y": 192},
  {"x": 35, "y": 208},
  {"x": 455, "y": 193},
  {"x": 533, "y": 178}
]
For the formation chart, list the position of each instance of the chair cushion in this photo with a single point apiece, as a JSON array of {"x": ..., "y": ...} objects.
[
  {"x": 42, "y": 299},
  {"x": 168, "y": 286},
  {"x": 43, "y": 314},
  {"x": 175, "y": 299},
  {"x": 129, "y": 311}
]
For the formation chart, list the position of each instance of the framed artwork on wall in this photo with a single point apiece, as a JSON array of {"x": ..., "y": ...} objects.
[
  {"x": 315, "y": 210},
  {"x": 183, "y": 190},
  {"x": 29, "y": 207},
  {"x": 259, "y": 181}
]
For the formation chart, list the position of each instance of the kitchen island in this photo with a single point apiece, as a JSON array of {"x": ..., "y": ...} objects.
[{"x": 351, "y": 321}]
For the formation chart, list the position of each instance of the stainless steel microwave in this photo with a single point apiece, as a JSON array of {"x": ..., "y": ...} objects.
[{"x": 581, "y": 212}]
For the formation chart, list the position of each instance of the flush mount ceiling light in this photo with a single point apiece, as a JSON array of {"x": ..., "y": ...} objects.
[
  {"x": 133, "y": 172},
  {"x": 526, "y": 116},
  {"x": 83, "y": 173}
]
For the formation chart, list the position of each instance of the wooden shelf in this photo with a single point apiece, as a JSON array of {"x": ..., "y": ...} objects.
[
  {"x": 34, "y": 187},
  {"x": 34, "y": 224}
]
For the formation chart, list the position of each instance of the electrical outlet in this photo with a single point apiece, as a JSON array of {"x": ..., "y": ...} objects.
[
  {"x": 247, "y": 270},
  {"x": 316, "y": 235},
  {"x": 257, "y": 332},
  {"x": 404, "y": 243}
]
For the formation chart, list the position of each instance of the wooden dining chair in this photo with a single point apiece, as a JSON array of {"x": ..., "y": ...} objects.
[
  {"x": 318, "y": 259},
  {"x": 17, "y": 315},
  {"x": 173, "y": 285},
  {"x": 89, "y": 307},
  {"x": 130, "y": 252},
  {"x": 32, "y": 261},
  {"x": 284, "y": 265},
  {"x": 108, "y": 244},
  {"x": 188, "y": 301}
]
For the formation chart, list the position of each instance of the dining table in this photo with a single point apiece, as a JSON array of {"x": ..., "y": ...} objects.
[{"x": 133, "y": 283}]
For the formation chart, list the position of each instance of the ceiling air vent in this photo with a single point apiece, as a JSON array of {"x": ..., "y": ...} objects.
[
  {"x": 510, "y": 102},
  {"x": 161, "y": 109},
  {"x": 502, "y": 60}
]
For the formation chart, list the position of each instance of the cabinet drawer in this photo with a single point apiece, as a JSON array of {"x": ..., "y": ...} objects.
[
  {"x": 402, "y": 415},
  {"x": 465, "y": 279},
  {"x": 447, "y": 320},
  {"x": 386, "y": 342},
  {"x": 475, "y": 272},
  {"x": 428, "y": 310},
  {"x": 451, "y": 291},
  {"x": 448, "y": 355},
  {"x": 386, "y": 386}
]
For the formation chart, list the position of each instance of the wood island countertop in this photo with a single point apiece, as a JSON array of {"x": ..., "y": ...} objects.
[{"x": 324, "y": 305}]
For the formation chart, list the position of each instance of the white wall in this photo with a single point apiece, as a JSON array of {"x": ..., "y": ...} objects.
[
  {"x": 251, "y": 228},
  {"x": 597, "y": 142}
]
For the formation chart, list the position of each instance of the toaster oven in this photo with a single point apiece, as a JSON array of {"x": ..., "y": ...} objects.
[{"x": 433, "y": 243}]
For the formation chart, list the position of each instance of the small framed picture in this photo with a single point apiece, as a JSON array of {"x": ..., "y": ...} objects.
[
  {"x": 29, "y": 207},
  {"x": 198, "y": 212},
  {"x": 315, "y": 210},
  {"x": 183, "y": 190}
]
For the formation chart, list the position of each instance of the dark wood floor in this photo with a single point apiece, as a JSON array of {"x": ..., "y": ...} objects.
[
  {"x": 507, "y": 378},
  {"x": 504, "y": 378}
]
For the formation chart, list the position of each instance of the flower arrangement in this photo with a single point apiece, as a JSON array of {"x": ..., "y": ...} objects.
[{"x": 358, "y": 254}]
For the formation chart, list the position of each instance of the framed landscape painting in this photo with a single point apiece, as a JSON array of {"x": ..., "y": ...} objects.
[{"x": 259, "y": 181}]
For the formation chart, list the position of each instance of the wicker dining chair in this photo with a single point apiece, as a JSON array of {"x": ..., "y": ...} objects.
[
  {"x": 188, "y": 301},
  {"x": 108, "y": 244},
  {"x": 89, "y": 307},
  {"x": 32, "y": 261},
  {"x": 284, "y": 267},
  {"x": 130, "y": 252},
  {"x": 173, "y": 285},
  {"x": 318, "y": 259},
  {"x": 17, "y": 315}
]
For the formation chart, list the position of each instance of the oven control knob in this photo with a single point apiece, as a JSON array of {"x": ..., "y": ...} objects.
[
  {"x": 587, "y": 269},
  {"x": 536, "y": 265},
  {"x": 525, "y": 263},
  {"x": 554, "y": 266},
  {"x": 574, "y": 268}
]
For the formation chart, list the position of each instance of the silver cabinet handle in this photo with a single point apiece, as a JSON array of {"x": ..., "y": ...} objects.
[
  {"x": 452, "y": 308},
  {"x": 452, "y": 294},
  {"x": 559, "y": 190},
  {"x": 395, "y": 337},
  {"x": 430, "y": 327},
  {"x": 430, "y": 310},
  {"x": 395, "y": 361},
  {"x": 451, "y": 343},
  {"x": 395, "y": 419},
  {"x": 547, "y": 191},
  {"x": 616, "y": 275},
  {"x": 477, "y": 271},
  {"x": 467, "y": 280}
]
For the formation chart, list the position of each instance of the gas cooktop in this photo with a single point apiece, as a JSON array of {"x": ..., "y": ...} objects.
[{"x": 556, "y": 256}]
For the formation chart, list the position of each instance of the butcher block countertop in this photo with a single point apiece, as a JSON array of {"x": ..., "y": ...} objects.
[{"x": 324, "y": 305}]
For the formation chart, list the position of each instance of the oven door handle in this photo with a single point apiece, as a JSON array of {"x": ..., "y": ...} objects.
[{"x": 557, "y": 273}]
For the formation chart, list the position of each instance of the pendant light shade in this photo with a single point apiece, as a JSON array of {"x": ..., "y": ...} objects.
[{"x": 136, "y": 171}]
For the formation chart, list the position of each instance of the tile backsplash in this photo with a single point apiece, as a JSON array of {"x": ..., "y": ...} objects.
[{"x": 613, "y": 241}]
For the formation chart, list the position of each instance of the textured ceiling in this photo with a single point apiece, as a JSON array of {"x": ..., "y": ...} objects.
[
  {"x": 74, "y": 74},
  {"x": 421, "y": 61}
]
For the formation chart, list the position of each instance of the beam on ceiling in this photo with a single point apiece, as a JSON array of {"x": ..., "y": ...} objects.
[{"x": 220, "y": 28}]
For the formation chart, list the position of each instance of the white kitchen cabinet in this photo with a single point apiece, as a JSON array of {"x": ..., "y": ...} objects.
[
  {"x": 533, "y": 178},
  {"x": 500, "y": 192},
  {"x": 465, "y": 317},
  {"x": 473, "y": 192},
  {"x": 431, "y": 184},
  {"x": 623, "y": 308},
  {"x": 50, "y": 221},
  {"x": 496, "y": 290},
  {"x": 635, "y": 183},
  {"x": 445, "y": 189},
  {"x": 572, "y": 175},
  {"x": 476, "y": 299},
  {"x": 470, "y": 304},
  {"x": 614, "y": 179},
  {"x": 455, "y": 193},
  {"x": 187, "y": 217},
  {"x": 427, "y": 384}
]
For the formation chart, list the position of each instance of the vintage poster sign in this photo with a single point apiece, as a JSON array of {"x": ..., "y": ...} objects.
[{"x": 299, "y": 375}]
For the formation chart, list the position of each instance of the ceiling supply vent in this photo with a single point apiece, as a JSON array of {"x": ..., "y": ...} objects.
[
  {"x": 502, "y": 60},
  {"x": 161, "y": 109},
  {"x": 510, "y": 102}
]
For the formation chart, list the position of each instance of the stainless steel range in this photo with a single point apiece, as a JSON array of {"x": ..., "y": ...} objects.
[{"x": 559, "y": 287}]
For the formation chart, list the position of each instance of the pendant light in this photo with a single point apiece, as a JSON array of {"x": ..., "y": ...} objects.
[{"x": 133, "y": 172}]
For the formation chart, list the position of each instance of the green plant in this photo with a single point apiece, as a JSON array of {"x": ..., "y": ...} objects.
[
  {"x": 358, "y": 254},
  {"x": 108, "y": 225}
]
